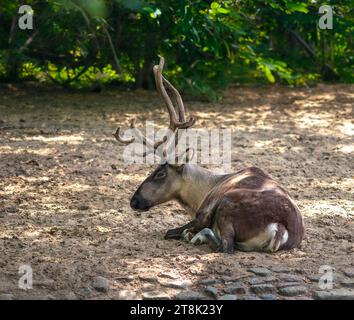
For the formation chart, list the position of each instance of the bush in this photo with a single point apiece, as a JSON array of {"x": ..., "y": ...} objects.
[{"x": 207, "y": 44}]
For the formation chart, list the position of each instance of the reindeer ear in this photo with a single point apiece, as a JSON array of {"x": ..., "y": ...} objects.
[
  {"x": 183, "y": 158},
  {"x": 188, "y": 155}
]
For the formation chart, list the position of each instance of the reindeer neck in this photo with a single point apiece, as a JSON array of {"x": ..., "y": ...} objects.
[{"x": 197, "y": 182}]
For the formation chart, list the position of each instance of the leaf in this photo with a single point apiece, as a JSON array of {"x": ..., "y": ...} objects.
[
  {"x": 223, "y": 10},
  {"x": 268, "y": 74},
  {"x": 214, "y": 5},
  {"x": 148, "y": 9},
  {"x": 300, "y": 7}
]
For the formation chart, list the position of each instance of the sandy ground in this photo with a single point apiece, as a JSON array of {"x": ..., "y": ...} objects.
[{"x": 65, "y": 191}]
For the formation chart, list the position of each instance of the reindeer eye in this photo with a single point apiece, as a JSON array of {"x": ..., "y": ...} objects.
[{"x": 160, "y": 175}]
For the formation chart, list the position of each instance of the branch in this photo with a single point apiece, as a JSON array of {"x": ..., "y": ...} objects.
[
  {"x": 28, "y": 41},
  {"x": 68, "y": 81},
  {"x": 306, "y": 46},
  {"x": 113, "y": 49}
]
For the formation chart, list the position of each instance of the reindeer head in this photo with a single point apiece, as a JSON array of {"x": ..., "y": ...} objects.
[{"x": 164, "y": 183}]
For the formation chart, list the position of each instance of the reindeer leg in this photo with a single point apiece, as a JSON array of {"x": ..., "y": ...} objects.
[
  {"x": 177, "y": 232},
  {"x": 207, "y": 236},
  {"x": 226, "y": 246},
  {"x": 227, "y": 236},
  {"x": 199, "y": 224}
]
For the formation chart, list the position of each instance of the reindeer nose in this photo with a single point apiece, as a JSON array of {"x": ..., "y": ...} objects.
[
  {"x": 139, "y": 203},
  {"x": 134, "y": 203}
]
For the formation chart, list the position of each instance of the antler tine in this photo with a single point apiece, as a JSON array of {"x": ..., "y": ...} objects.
[
  {"x": 177, "y": 98},
  {"x": 160, "y": 81},
  {"x": 146, "y": 142},
  {"x": 182, "y": 123},
  {"x": 120, "y": 139},
  {"x": 161, "y": 89}
]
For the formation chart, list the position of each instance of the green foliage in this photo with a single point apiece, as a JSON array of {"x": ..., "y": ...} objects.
[{"x": 207, "y": 44}]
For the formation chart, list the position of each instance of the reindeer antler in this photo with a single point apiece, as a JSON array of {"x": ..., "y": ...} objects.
[
  {"x": 160, "y": 81},
  {"x": 120, "y": 139},
  {"x": 175, "y": 123}
]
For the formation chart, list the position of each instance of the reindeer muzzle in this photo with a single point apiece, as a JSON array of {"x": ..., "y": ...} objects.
[{"x": 140, "y": 204}]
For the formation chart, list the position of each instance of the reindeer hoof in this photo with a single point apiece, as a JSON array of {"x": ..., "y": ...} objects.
[
  {"x": 226, "y": 247},
  {"x": 172, "y": 234},
  {"x": 198, "y": 239},
  {"x": 187, "y": 235},
  {"x": 203, "y": 236}
]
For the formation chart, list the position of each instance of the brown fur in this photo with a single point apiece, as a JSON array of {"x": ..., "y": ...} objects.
[
  {"x": 244, "y": 204},
  {"x": 240, "y": 206}
]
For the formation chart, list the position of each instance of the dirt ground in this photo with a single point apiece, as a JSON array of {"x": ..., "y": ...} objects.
[{"x": 65, "y": 191}]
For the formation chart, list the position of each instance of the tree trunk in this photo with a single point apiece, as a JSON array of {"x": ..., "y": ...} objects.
[{"x": 12, "y": 65}]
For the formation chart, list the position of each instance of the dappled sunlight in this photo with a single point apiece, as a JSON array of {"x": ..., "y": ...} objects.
[
  {"x": 347, "y": 127},
  {"x": 344, "y": 183},
  {"x": 329, "y": 208},
  {"x": 75, "y": 187},
  {"x": 34, "y": 151},
  {"x": 65, "y": 195},
  {"x": 312, "y": 120},
  {"x": 12, "y": 189},
  {"x": 128, "y": 177},
  {"x": 263, "y": 144},
  {"x": 326, "y": 96},
  {"x": 73, "y": 139},
  {"x": 348, "y": 149}
]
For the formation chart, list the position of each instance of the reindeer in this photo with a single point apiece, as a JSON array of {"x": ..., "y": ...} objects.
[{"x": 246, "y": 210}]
